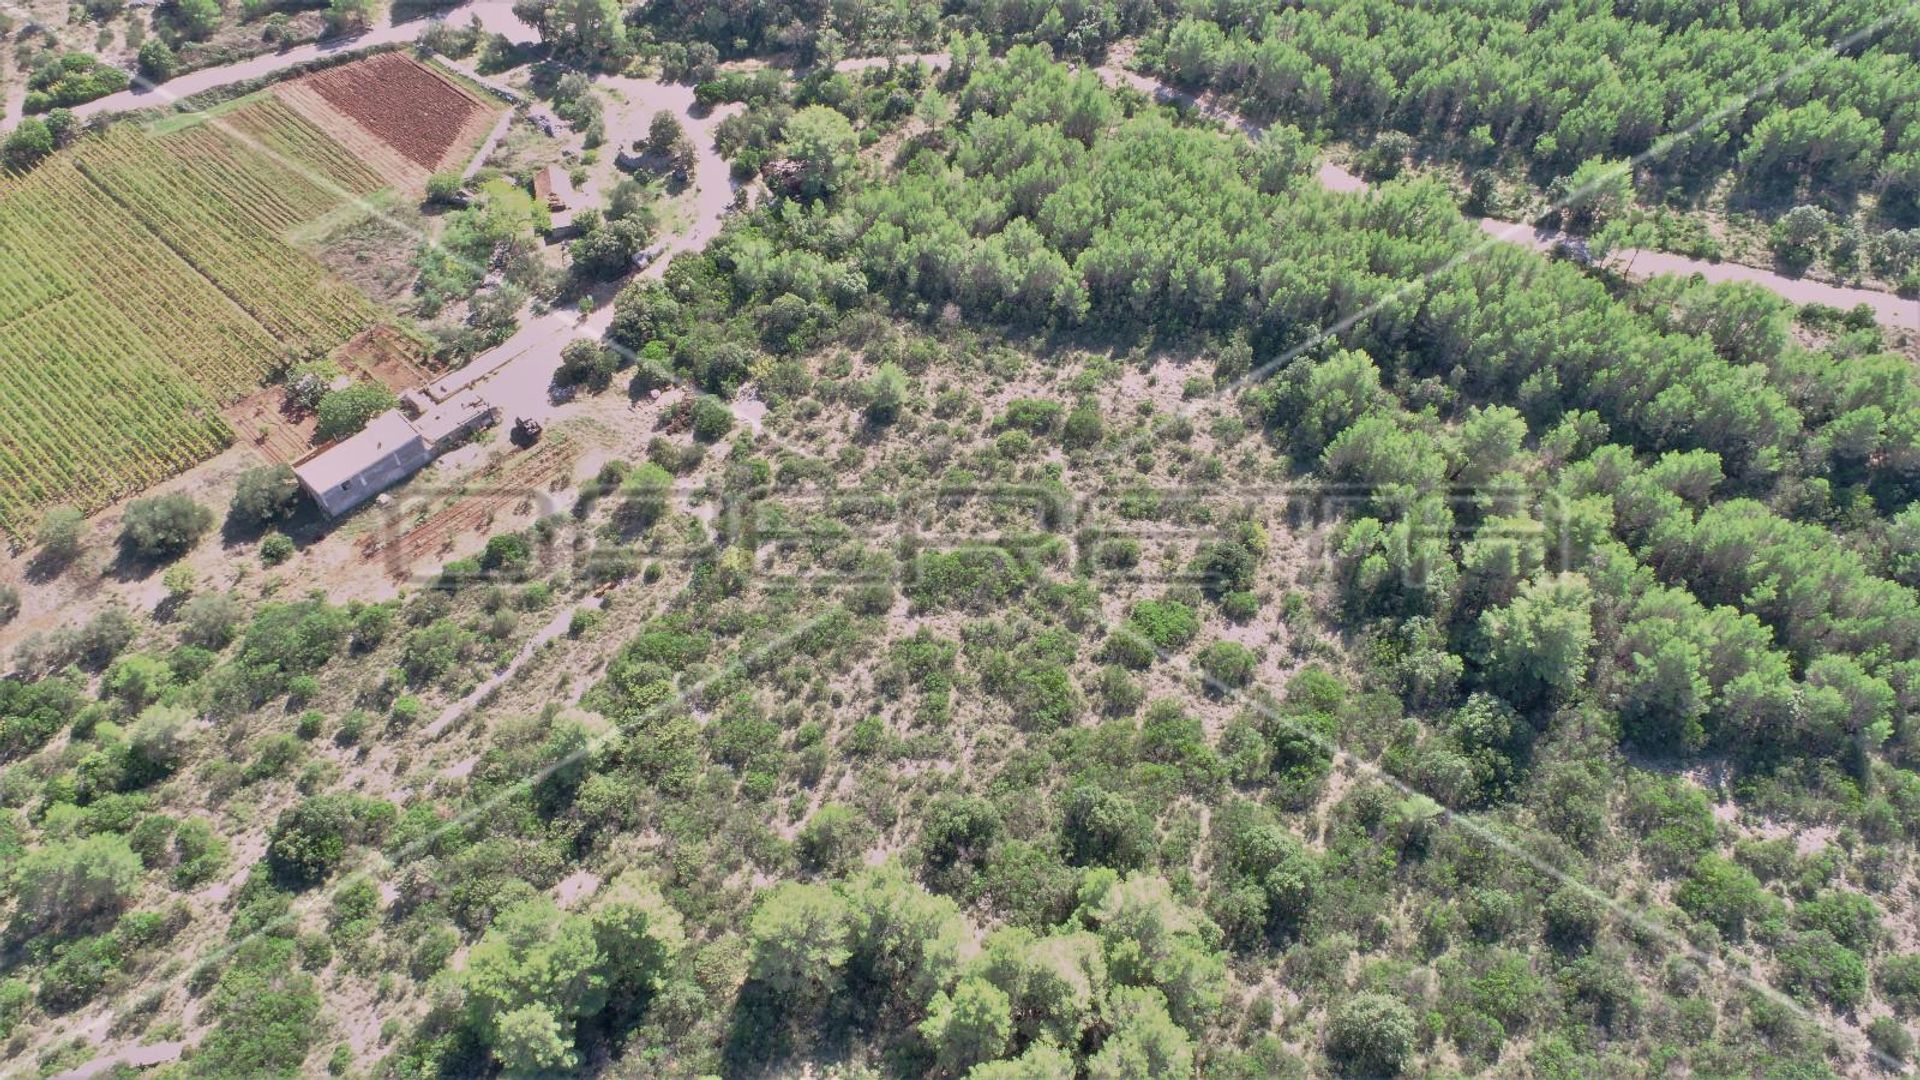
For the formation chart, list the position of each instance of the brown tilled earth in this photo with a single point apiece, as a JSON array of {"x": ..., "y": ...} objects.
[
  {"x": 388, "y": 355},
  {"x": 281, "y": 435},
  {"x": 410, "y": 107},
  {"x": 393, "y": 167}
]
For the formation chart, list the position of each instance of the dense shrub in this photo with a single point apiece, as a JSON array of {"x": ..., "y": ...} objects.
[
  {"x": 311, "y": 838},
  {"x": 163, "y": 526},
  {"x": 1371, "y": 1035}
]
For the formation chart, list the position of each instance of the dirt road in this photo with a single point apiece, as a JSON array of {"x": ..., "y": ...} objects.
[
  {"x": 496, "y": 16},
  {"x": 714, "y": 187},
  {"x": 1892, "y": 310},
  {"x": 516, "y": 375}
]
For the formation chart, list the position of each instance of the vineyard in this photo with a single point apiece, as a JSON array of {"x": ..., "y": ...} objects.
[{"x": 146, "y": 284}]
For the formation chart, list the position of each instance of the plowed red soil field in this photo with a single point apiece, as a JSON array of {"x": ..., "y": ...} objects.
[{"x": 416, "y": 111}]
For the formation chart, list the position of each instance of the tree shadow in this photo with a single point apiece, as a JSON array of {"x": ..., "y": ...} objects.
[
  {"x": 45, "y": 566},
  {"x": 129, "y": 566},
  {"x": 760, "y": 1033}
]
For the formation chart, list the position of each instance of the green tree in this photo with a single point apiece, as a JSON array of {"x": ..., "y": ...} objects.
[
  {"x": 969, "y": 1026},
  {"x": 899, "y": 935},
  {"x": 1316, "y": 400},
  {"x": 1056, "y": 983},
  {"x": 276, "y": 548},
  {"x": 1153, "y": 940},
  {"x": 196, "y": 19},
  {"x": 533, "y": 971},
  {"x": 1593, "y": 194},
  {"x": 639, "y": 933},
  {"x": 1371, "y": 1035},
  {"x": 822, "y": 143},
  {"x": 528, "y": 1040},
  {"x": 1537, "y": 649},
  {"x": 29, "y": 141},
  {"x": 310, "y": 839},
  {"x": 799, "y": 936},
  {"x": 137, "y": 680},
  {"x": 607, "y": 252},
  {"x": 1852, "y": 918},
  {"x": 539, "y": 971},
  {"x": 1384, "y": 464},
  {"x": 60, "y": 533},
  {"x": 1083, "y": 427},
  {"x": 643, "y": 312},
  {"x": 62, "y": 885},
  {"x": 263, "y": 494},
  {"x": 349, "y": 16},
  {"x": 886, "y": 393},
  {"x": 585, "y": 362},
  {"x": 664, "y": 132},
  {"x": 1145, "y": 1043},
  {"x": 1665, "y": 696},
  {"x": 1814, "y": 965},
  {"x": 1226, "y": 664},
  {"x": 643, "y": 497},
  {"x": 156, "y": 59},
  {"x": 163, "y": 526},
  {"x": 1795, "y": 236},
  {"x": 309, "y": 381},
  {"x": 712, "y": 419},
  {"x": 1836, "y": 148},
  {"x": 345, "y": 411},
  {"x": 832, "y": 839},
  {"x": 265, "y": 1014},
  {"x": 208, "y": 620},
  {"x": 589, "y": 29},
  {"x": 443, "y": 188},
  {"x": 1042, "y": 1061},
  {"x": 1899, "y": 982},
  {"x": 1724, "y": 893},
  {"x": 1890, "y": 1039}
]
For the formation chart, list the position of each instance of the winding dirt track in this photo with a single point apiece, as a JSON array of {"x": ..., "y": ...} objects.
[
  {"x": 715, "y": 189},
  {"x": 1892, "y": 310}
]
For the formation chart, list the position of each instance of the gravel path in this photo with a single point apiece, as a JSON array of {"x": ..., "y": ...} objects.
[{"x": 1892, "y": 310}]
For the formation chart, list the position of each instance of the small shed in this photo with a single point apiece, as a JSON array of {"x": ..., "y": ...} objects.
[
  {"x": 554, "y": 187},
  {"x": 344, "y": 474}
]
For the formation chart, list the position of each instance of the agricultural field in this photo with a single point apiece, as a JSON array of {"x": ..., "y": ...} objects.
[
  {"x": 147, "y": 284},
  {"x": 405, "y": 119}
]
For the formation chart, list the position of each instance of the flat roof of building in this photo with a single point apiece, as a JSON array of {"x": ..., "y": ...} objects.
[
  {"x": 450, "y": 417},
  {"x": 384, "y": 436}
]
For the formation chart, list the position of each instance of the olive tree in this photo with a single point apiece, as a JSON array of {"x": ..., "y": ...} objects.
[{"x": 163, "y": 526}]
